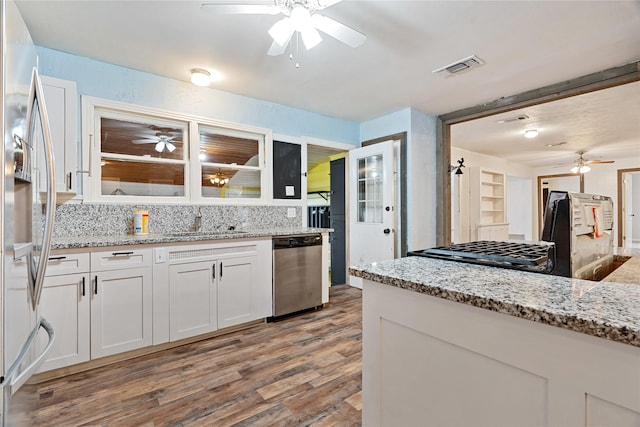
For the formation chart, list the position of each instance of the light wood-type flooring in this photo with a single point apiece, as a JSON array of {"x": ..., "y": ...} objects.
[{"x": 300, "y": 371}]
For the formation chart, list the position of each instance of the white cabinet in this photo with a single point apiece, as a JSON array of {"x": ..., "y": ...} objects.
[
  {"x": 488, "y": 213},
  {"x": 61, "y": 99},
  {"x": 121, "y": 301},
  {"x": 204, "y": 287},
  {"x": 236, "y": 282},
  {"x": 192, "y": 299},
  {"x": 65, "y": 303}
]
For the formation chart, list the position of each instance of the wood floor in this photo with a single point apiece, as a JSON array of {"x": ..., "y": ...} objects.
[{"x": 301, "y": 371}]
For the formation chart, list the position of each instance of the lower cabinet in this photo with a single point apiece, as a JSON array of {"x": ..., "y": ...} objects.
[
  {"x": 121, "y": 318},
  {"x": 236, "y": 291},
  {"x": 65, "y": 304},
  {"x": 192, "y": 299},
  {"x": 108, "y": 302},
  {"x": 99, "y": 304},
  {"x": 212, "y": 286}
]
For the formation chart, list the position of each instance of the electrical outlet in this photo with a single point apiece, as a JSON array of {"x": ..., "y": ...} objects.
[
  {"x": 160, "y": 255},
  {"x": 291, "y": 212}
]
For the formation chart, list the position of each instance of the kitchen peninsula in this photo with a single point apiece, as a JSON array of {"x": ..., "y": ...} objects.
[{"x": 448, "y": 343}]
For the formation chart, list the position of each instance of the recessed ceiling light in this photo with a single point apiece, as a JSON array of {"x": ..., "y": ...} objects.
[
  {"x": 531, "y": 133},
  {"x": 200, "y": 77}
]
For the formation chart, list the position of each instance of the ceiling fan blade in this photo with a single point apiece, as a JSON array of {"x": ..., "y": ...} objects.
[
  {"x": 338, "y": 31},
  {"x": 327, "y": 3},
  {"x": 266, "y": 8},
  {"x": 599, "y": 162},
  {"x": 144, "y": 141}
]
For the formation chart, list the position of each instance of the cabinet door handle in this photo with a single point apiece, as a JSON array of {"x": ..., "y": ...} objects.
[
  {"x": 69, "y": 186},
  {"x": 122, "y": 253},
  {"x": 95, "y": 287},
  {"x": 213, "y": 267},
  {"x": 220, "y": 270},
  {"x": 83, "y": 283}
]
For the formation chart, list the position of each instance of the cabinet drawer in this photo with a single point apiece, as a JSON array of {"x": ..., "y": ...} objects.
[
  {"x": 120, "y": 258},
  {"x": 60, "y": 264}
]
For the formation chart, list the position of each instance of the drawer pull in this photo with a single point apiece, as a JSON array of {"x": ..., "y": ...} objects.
[
  {"x": 57, "y": 258},
  {"x": 122, "y": 253}
]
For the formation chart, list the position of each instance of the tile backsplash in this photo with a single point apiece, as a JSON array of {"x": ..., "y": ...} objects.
[{"x": 117, "y": 219}]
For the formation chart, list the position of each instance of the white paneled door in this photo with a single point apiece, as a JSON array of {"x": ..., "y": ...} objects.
[{"x": 371, "y": 205}]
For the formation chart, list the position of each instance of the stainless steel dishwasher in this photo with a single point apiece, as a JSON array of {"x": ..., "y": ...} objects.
[{"x": 297, "y": 273}]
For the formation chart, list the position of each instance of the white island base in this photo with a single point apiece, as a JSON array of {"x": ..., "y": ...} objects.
[{"x": 428, "y": 361}]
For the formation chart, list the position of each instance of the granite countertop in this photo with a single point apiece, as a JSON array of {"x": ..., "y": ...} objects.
[
  {"x": 607, "y": 309},
  {"x": 175, "y": 237}
]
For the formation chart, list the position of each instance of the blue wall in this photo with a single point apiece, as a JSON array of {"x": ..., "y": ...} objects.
[{"x": 103, "y": 80}]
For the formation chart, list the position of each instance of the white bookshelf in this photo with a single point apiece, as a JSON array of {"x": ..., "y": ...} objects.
[{"x": 488, "y": 208}]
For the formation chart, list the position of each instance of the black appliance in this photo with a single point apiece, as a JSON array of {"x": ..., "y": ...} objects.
[{"x": 581, "y": 226}]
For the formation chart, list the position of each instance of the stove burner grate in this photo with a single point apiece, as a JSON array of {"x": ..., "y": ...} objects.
[{"x": 522, "y": 256}]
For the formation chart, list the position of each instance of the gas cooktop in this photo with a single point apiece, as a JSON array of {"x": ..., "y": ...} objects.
[{"x": 520, "y": 256}]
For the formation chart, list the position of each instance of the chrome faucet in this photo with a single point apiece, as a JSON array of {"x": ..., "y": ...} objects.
[{"x": 198, "y": 221}]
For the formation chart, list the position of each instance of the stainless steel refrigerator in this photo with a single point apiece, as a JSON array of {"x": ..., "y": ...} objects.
[{"x": 28, "y": 209}]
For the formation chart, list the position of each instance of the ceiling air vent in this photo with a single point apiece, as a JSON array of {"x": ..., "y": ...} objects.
[
  {"x": 459, "y": 66},
  {"x": 513, "y": 119}
]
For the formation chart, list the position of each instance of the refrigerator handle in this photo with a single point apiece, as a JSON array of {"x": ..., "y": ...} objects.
[
  {"x": 51, "y": 191},
  {"x": 14, "y": 379}
]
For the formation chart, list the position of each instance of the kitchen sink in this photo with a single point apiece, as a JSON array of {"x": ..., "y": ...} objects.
[{"x": 203, "y": 233}]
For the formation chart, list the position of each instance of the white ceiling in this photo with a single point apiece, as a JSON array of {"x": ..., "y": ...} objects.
[{"x": 526, "y": 45}]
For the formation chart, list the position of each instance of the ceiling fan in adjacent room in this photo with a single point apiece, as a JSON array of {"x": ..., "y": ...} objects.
[
  {"x": 162, "y": 140},
  {"x": 300, "y": 16},
  {"x": 581, "y": 165}
]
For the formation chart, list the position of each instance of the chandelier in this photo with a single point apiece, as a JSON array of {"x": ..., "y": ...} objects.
[{"x": 218, "y": 179}]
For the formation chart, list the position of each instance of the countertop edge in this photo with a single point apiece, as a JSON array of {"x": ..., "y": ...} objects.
[
  {"x": 80, "y": 242},
  {"x": 603, "y": 328}
]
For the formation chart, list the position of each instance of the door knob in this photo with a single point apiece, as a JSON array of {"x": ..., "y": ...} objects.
[
  {"x": 388, "y": 208},
  {"x": 387, "y": 231}
]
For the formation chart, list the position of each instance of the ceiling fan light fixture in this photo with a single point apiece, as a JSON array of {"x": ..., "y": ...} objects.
[
  {"x": 310, "y": 37},
  {"x": 169, "y": 146},
  {"x": 281, "y": 31},
  {"x": 300, "y": 18},
  {"x": 531, "y": 133},
  {"x": 580, "y": 169},
  {"x": 200, "y": 77},
  {"x": 160, "y": 146}
]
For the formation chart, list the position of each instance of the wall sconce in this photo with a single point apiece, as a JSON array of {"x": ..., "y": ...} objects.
[{"x": 458, "y": 168}]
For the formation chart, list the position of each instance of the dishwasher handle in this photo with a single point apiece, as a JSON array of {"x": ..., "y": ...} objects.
[{"x": 296, "y": 241}]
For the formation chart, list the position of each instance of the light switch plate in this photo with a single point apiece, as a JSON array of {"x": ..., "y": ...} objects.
[
  {"x": 289, "y": 190},
  {"x": 291, "y": 212}
]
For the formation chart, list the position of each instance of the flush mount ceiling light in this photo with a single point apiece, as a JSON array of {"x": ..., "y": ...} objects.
[
  {"x": 531, "y": 133},
  {"x": 200, "y": 77}
]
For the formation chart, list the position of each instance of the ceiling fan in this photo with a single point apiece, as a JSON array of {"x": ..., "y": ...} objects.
[
  {"x": 162, "y": 140},
  {"x": 300, "y": 16},
  {"x": 581, "y": 165}
]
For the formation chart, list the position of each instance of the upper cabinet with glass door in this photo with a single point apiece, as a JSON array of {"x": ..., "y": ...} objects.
[{"x": 231, "y": 163}]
